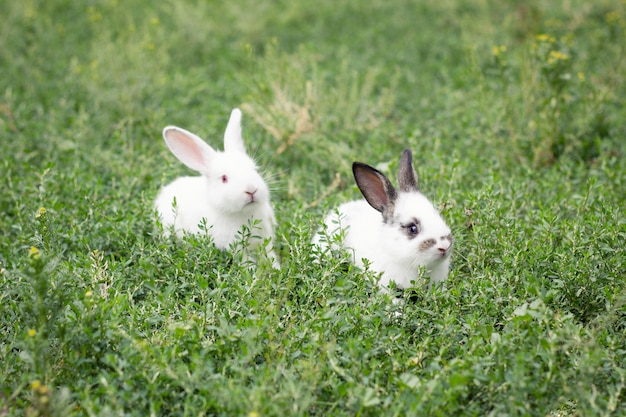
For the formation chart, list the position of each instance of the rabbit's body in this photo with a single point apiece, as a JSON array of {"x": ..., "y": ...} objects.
[
  {"x": 228, "y": 196},
  {"x": 396, "y": 232},
  {"x": 193, "y": 193}
]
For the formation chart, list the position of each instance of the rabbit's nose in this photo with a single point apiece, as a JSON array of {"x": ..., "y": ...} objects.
[{"x": 251, "y": 194}]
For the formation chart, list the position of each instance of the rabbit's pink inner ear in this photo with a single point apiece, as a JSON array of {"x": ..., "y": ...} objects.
[{"x": 186, "y": 149}]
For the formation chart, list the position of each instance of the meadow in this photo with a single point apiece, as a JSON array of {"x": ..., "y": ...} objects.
[{"x": 516, "y": 115}]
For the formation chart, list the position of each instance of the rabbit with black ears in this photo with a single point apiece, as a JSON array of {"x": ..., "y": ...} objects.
[
  {"x": 228, "y": 195},
  {"x": 397, "y": 232}
]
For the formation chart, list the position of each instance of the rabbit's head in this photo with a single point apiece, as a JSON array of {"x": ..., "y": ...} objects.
[
  {"x": 232, "y": 179},
  {"x": 413, "y": 232}
]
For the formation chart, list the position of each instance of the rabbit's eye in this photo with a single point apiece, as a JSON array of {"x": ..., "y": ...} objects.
[
  {"x": 224, "y": 179},
  {"x": 412, "y": 229}
]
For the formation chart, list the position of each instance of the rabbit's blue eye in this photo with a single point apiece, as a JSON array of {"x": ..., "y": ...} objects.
[{"x": 224, "y": 179}]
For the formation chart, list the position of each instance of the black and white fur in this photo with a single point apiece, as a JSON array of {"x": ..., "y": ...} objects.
[{"x": 397, "y": 232}]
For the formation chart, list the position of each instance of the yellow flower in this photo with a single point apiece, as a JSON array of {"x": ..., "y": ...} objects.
[
  {"x": 497, "y": 50},
  {"x": 32, "y": 332},
  {"x": 612, "y": 16},
  {"x": 93, "y": 15},
  {"x": 40, "y": 389},
  {"x": 543, "y": 37},
  {"x": 40, "y": 212},
  {"x": 88, "y": 293},
  {"x": 581, "y": 76},
  {"x": 34, "y": 252},
  {"x": 253, "y": 414},
  {"x": 555, "y": 56},
  {"x": 30, "y": 12}
]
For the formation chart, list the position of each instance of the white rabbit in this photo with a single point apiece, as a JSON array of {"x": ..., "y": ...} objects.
[
  {"x": 397, "y": 232},
  {"x": 228, "y": 195}
]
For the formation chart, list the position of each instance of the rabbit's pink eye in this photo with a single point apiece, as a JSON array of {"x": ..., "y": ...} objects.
[{"x": 224, "y": 179}]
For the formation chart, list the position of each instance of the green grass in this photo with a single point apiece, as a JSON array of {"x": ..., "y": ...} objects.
[{"x": 516, "y": 116}]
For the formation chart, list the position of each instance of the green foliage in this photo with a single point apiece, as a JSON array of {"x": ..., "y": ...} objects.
[{"x": 515, "y": 113}]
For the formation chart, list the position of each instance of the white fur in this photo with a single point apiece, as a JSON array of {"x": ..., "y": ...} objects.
[
  {"x": 224, "y": 207},
  {"x": 385, "y": 246}
]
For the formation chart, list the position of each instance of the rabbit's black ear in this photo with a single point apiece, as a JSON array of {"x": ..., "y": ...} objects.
[
  {"x": 407, "y": 179},
  {"x": 375, "y": 187}
]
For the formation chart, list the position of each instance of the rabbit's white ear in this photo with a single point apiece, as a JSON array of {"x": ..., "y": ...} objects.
[
  {"x": 406, "y": 176},
  {"x": 375, "y": 187},
  {"x": 188, "y": 148},
  {"x": 232, "y": 136}
]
